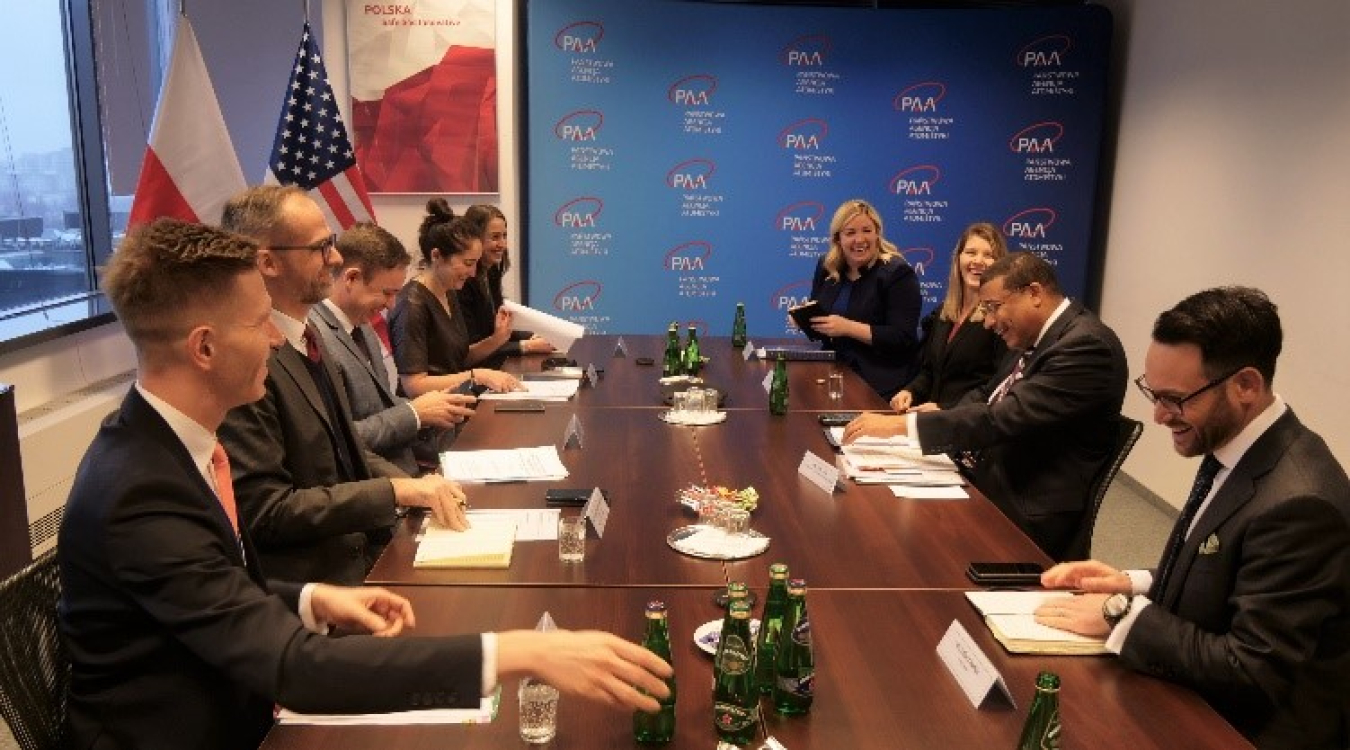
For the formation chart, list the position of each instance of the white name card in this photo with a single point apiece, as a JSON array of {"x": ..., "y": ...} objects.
[
  {"x": 597, "y": 510},
  {"x": 972, "y": 669},
  {"x": 573, "y": 435},
  {"x": 592, "y": 375},
  {"x": 768, "y": 382},
  {"x": 747, "y": 352},
  {"x": 819, "y": 472},
  {"x": 620, "y": 348}
]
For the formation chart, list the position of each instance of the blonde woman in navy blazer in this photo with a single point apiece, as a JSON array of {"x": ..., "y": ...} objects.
[
  {"x": 872, "y": 299},
  {"x": 959, "y": 353}
]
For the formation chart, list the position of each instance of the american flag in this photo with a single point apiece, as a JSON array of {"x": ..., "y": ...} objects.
[{"x": 311, "y": 148}]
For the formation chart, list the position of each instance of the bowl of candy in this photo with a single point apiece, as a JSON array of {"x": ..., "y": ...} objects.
[{"x": 703, "y": 498}]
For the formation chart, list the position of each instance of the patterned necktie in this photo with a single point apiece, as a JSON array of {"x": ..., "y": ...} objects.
[
  {"x": 1204, "y": 481},
  {"x": 220, "y": 468},
  {"x": 1012, "y": 378},
  {"x": 312, "y": 344}
]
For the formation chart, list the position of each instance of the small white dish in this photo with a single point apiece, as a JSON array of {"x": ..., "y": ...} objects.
[{"x": 707, "y": 635}]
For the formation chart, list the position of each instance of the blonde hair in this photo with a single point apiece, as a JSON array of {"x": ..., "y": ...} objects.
[
  {"x": 955, "y": 300},
  {"x": 834, "y": 259}
]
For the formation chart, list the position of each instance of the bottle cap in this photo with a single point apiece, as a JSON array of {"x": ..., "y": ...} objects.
[{"x": 656, "y": 606}]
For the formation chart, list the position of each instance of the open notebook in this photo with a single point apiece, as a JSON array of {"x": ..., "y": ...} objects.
[
  {"x": 486, "y": 544},
  {"x": 1008, "y": 615}
]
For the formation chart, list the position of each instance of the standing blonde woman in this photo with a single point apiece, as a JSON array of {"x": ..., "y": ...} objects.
[{"x": 959, "y": 353}]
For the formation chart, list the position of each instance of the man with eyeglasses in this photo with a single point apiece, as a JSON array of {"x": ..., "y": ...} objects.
[
  {"x": 320, "y": 505},
  {"x": 1250, "y": 603},
  {"x": 374, "y": 267},
  {"x": 1033, "y": 438}
]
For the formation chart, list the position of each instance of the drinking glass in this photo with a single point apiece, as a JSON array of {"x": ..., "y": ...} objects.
[
  {"x": 836, "y": 385},
  {"x": 538, "y": 712},
  {"x": 572, "y": 539}
]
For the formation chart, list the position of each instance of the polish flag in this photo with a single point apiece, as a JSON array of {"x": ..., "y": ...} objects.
[{"x": 190, "y": 168}]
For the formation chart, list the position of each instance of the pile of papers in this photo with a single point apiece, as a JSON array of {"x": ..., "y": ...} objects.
[
  {"x": 897, "y": 461},
  {"x": 1009, "y": 617},
  {"x": 508, "y": 465},
  {"x": 484, "y": 714},
  {"x": 550, "y": 389},
  {"x": 485, "y": 544}
]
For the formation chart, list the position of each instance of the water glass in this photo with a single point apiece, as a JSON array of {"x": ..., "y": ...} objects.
[
  {"x": 572, "y": 539},
  {"x": 698, "y": 404},
  {"x": 538, "y": 712},
  {"x": 737, "y": 520},
  {"x": 681, "y": 403},
  {"x": 836, "y": 385}
]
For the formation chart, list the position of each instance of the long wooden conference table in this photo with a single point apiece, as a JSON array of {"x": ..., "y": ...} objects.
[{"x": 885, "y": 576}]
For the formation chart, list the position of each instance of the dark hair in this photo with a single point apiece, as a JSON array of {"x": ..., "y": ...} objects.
[
  {"x": 166, "y": 268},
  {"x": 1234, "y": 327},
  {"x": 257, "y": 212},
  {"x": 479, "y": 216},
  {"x": 1021, "y": 270},
  {"x": 442, "y": 230},
  {"x": 372, "y": 249}
]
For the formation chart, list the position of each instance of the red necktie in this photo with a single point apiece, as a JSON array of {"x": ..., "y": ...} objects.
[
  {"x": 220, "y": 467},
  {"x": 312, "y": 344}
]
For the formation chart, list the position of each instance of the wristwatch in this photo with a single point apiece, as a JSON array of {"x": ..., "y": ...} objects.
[{"x": 1115, "y": 607}]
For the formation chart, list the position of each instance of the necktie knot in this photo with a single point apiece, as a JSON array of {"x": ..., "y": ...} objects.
[{"x": 220, "y": 470}]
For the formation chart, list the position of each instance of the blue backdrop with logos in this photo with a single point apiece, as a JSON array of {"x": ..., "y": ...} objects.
[{"x": 684, "y": 157}]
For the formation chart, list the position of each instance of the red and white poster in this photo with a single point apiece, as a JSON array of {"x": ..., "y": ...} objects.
[{"x": 424, "y": 94}]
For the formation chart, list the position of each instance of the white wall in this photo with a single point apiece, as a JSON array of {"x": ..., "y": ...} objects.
[{"x": 1233, "y": 167}]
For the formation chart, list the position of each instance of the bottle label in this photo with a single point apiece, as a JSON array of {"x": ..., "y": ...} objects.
[
  {"x": 803, "y": 684},
  {"x": 730, "y": 717},
  {"x": 801, "y": 632},
  {"x": 1050, "y": 740},
  {"x": 734, "y": 656}
]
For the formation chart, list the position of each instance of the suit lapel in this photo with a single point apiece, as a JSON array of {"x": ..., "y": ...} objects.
[
  {"x": 327, "y": 318},
  {"x": 293, "y": 368},
  {"x": 1237, "y": 490},
  {"x": 1052, "y": 337}
]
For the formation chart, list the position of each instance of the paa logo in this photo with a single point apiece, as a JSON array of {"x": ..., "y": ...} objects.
[
  {"x": 920, "y": 98},
  {"x": 1037, "y": 139},
  {"x": 691, "y": 256},
  {"x": 802, "y": 216},
  {"x": 919, "y": 257},
  {"x": 580, "y": 126},
  {"x": 804, "y": 135},
  {"x": 693, "y": 174},
  {"x": 581, "y": 37},
  {"x": 916, "y": 180},
  {"x": 791, "y": 295},
  {"x": 1031, "y": 224},
  {"x": 808, "y": 51},
  {"x": 579, "y": 297},
  {"x": 1046, "y": 52},
  {"x": 692, "y": 91},
  {"x": 579, "y": 213}
]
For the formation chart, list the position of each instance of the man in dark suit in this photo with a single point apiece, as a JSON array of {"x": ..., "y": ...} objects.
[
  {"x": 1036, "y": 434},
  {"x": 175, "y": 638},
  {"x": 1250, "y": 604},
  {"x": 374, "y": 267},
  {"x": 319, "y": 503}
]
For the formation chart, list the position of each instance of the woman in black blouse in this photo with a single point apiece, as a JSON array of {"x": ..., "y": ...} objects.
[
  {"x": 959, "y": 353},
  {"x": 427, "y": 328},
  {"x": 481, "y": 298}
]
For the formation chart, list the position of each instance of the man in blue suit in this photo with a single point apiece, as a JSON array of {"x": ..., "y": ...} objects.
[
  {"x": 374, "y": 266},
  {"x": 1250, "y": 604},
  {"x": 176, "y": 639}
]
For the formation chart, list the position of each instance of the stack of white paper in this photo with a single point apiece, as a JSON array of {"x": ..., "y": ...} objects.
[
  {"x": 510, "y": 465},
  {"x": 870, "y": 463},
  {"x": 487, "y": 543},
  {"x": 556, "y": 331},
  {"x": 483, "y": 714},
  {"x": 557, "y": 389}
]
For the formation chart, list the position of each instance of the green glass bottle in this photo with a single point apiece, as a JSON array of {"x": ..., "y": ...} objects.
[
  {"x": 673, "y": 364},
  {"x": 693, "y": 355},
  {"x": 735, "y": 700},
  {"x": 1041, "y": 732},
  {"x": 660, "y": 726},
  {"x": 766, "y": 644},
  {"x": 738, "y": 334},
  {"x": 778, "y": 388},
  {"x": 795, "y": 687}
]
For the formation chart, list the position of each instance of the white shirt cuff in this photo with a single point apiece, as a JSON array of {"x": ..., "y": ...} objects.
[
  {"x": 912, "y": 428},
  {"x": 306, "y": 611},
  {"x": 1116, "y": 642},
  {"x": 415, "y": 417},
  {"x": 489, "y": 662},
  {"x": 1140, "y": 581}
]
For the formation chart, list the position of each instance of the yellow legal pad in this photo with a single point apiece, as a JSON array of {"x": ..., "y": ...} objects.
[{"x": 486, "y": 544}]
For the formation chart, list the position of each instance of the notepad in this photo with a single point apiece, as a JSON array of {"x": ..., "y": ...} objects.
[
  {"x": 1009, "y": 617},
  {"x": 486, "y": 544}
]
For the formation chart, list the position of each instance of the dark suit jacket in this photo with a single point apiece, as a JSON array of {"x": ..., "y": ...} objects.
[
  {"x": 383, "y": 419},
  {"x": 309, "y": 521},
  {"x": 1260, "y": 626},
  {"x": 174, "y": 639},
  {"x": 950, "y": 369},
  {"x": 886, "y": 296},
  {"x": 1040, "y": 446}
]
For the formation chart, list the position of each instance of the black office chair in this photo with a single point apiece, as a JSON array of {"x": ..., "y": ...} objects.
[
  {"x": 34, "y": 668},
  {"x": 1127, "y": 434}
]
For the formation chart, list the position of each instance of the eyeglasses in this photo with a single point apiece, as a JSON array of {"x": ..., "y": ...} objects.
[
  {"x": 323, "y": 247},
  {"x": 991, "y": 306},
  {"x": 1175, "y": 404}
]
